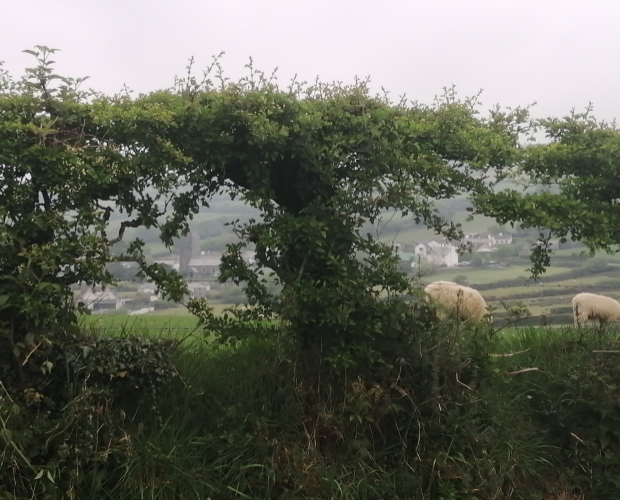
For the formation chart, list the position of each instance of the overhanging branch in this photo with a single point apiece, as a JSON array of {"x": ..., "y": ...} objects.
[{"x": 124, "y": 225}]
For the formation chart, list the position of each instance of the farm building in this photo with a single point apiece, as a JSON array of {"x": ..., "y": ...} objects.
[
  {"x": 99, "y": 301},
  {"x": 205, "y": 265}
]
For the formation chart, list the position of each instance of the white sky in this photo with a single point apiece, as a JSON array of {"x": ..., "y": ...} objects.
[{"x": 560, "y": 53}]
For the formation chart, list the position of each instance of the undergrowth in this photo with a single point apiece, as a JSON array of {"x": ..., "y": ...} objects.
[{"x": 456, "y": 414}]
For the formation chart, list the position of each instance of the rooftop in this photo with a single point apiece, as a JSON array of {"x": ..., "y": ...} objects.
[{"x": 90, "y": 297}]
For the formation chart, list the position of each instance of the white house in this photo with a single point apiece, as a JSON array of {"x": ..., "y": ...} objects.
[
  {"x": 490, "y": 240},
  {"x": 205, "y": 265},
  {"x": 443, "y": 256},
  {"x": 149, "y": 289},
  {"x": 501, "y": 239},
  {"x": 440, "y": 252},
  {"x": 420, "y": 249}
]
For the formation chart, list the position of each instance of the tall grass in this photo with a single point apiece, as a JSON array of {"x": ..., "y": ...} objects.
[
  {"x": 538, "y": 418},
  {"x": 568, "y": 381}
]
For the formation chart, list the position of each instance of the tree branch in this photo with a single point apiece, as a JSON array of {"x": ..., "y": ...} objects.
[
  {"x": 46, "y": 200},
  {"x": 124, "y": 225},
  {"x": 108, "y": 212}
]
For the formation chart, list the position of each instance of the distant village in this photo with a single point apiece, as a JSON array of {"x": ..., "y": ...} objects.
[
  {"x": 201, "y": 269},
  {"x": 443, "y": 253}
]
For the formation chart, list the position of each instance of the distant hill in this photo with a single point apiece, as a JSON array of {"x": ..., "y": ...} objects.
[{"x": 209, "y": 223}]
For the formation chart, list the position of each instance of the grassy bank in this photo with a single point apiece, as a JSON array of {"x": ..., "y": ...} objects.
[
  {"x": 450, "y": 414},
  {"x": 538, "y": 418}
]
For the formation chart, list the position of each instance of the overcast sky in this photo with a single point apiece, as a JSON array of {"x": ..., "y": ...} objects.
[{"x": 560, "y": 53}]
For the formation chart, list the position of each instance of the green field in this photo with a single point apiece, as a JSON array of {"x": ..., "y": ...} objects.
[
  {"x": 510, "y": 284},
  {"x": 529, "y": 293},
  {"x": 153, "y": 321},
  {"x": 476, "y": 276},
  {"x": 177, "y": 322}
]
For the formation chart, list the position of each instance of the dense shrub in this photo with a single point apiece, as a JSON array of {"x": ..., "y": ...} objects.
[
  {"x": 71, "y": 406},
  {"x": 573, "y": 400},
  {"x": 360, "y": 395},
  {"x": 412, "y": 424},
  {"x": 438, "y": 418}
]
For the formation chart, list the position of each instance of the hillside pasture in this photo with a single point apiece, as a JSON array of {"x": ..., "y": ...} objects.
[{"x": 488, "y": 275}]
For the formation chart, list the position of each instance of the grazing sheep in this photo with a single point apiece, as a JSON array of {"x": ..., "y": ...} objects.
[
  {"x": 466, "y": 302},
  {"x": 592, "y": 306}
]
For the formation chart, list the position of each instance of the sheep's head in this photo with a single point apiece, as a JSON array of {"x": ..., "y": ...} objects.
[{"x": 488, "y": 317}]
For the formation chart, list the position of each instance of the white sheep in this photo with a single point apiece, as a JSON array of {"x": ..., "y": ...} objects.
[
  {"x": 466, "y": 302},
  {"x": 588, "y": 306}
]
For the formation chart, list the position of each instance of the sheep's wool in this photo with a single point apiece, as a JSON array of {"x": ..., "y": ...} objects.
[
  {"x": 463, "y": 300},
  {"x": 590, "y": 306}
]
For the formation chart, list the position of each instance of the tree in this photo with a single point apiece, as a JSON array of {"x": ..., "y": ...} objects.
[
  {"x": 579, "y": 167},
  {"x": 61, "y": 180},
  {"x": 319, "y": 165},
  {"x": 318, "y": 162}
]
